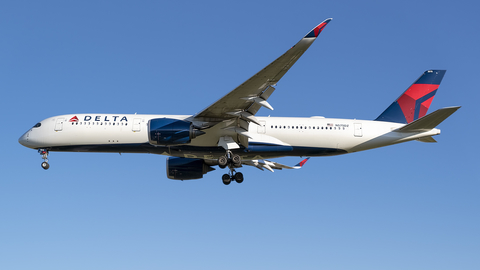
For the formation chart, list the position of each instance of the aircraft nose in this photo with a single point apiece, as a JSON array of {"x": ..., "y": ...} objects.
[{"x": 23, "y": 140}]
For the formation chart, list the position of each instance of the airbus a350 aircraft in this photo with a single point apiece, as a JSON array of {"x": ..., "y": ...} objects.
[{"x": 228, "y": 134}]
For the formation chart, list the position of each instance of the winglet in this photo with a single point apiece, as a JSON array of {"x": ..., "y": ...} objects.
[
  {"x": 318, "y": 29},
  {"x": 300, "y": 165}
]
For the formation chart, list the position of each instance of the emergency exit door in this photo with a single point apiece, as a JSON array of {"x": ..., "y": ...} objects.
[
  {"x": 59, "y": 124},
  {"x": 136, "y": 127}
]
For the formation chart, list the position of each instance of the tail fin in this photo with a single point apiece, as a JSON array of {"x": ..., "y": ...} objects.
[{"x": 415, "y": 101}]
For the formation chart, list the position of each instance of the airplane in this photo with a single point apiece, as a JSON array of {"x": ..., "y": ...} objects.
[{"x": 228, "y": 134}]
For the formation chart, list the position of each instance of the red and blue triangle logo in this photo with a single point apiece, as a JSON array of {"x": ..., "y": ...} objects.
[{"x": 73, "y": 119}]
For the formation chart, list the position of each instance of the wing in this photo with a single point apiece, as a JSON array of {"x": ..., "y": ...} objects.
[
  {"x": 238, "y": 108},
  {"x": 270, "y": 165}
]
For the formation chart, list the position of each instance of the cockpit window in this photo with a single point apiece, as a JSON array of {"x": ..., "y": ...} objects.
[{"x": 37, "y": 125}]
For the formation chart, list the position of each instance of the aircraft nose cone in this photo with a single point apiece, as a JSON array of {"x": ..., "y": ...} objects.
[{"x": 23, "y": 140}]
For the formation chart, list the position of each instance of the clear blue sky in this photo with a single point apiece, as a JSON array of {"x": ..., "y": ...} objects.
[{"x": 409, "y": 206}]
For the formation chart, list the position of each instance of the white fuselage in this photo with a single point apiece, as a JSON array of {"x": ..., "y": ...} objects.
[{"x": 275, "y": 137}]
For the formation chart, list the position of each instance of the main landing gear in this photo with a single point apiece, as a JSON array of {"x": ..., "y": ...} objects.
[
  {"x": 233, "y": 176},
  {"x": 232, "y": 161},
  {"x": 44, "y": 154}
]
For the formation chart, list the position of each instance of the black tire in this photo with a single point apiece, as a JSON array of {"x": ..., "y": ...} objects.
[
  {"x": 237, "y": 161},
  {"x": 226, "y": 179},
  {"x": 222, "y": 162},
  {"x": 45, "y": 165},
  {"x": 239, "y": 177}
]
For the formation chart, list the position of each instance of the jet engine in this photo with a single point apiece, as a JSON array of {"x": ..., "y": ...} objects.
[
  {"x": 168, "y": 131},
  {"x": 186, "y": 168}
]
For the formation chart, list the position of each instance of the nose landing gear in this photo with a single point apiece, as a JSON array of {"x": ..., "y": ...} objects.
[{"x": 44, "y": 154}]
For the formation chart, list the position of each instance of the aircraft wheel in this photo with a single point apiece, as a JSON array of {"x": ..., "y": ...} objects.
[
  {"x": 45, "y": 165},
  {"x": 238, "y": 177},
  {"x": 237, "y": 160},
  {"x": 226, "y": 179},
  {"x": 222, "y": 162}
]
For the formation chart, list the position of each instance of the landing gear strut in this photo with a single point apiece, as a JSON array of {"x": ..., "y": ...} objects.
[
  {"x": 232, "y": 161},
  {"x": 44, "y": 154}
]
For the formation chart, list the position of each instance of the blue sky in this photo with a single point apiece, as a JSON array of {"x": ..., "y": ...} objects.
[{"x": 408, "y": 206}]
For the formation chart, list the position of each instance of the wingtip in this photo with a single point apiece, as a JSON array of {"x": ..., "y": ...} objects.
[
  {"x": 453, "y": 107},
  {"x": 300, "y": 165},
  {"x": 318, "y": 29}
]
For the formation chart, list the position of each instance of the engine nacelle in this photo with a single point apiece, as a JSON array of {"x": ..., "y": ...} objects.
[
  {"x": 186, "y": 168},
  {"x": 168, "y": 131}
]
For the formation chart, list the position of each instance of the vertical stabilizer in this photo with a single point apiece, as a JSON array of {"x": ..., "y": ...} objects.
[{"x": 415, "y": 101}]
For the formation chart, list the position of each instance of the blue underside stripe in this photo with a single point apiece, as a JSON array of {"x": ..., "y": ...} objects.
[{"x": 254, "y": 149}]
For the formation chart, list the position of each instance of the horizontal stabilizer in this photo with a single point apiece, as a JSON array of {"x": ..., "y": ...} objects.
[{"x": 429, "y": 121}]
